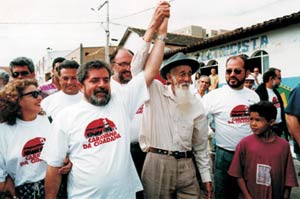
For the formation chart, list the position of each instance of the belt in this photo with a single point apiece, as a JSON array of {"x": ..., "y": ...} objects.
[
  {"x": 175, "y": 154},
  {"x": 228, "y": 151}
]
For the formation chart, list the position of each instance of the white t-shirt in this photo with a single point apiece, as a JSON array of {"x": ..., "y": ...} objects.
[
  {"x": 97, "y": 141},
  {"x": 20, "y": 147},
  {"x": 229, "y": 109},
  {"x": 136, "y": 121},
  {"x": 56, "y": 102},
  {"x": 273, "y": 98}
]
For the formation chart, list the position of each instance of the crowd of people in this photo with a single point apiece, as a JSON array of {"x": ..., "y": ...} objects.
[{"x": 111, "y": 130}]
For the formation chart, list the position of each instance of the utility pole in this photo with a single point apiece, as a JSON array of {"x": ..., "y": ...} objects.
[
  {"x": 107, "y": 33},
  {"x": 106, "y": 29}
]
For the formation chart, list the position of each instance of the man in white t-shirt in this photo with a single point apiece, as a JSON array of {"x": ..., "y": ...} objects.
[
  {"x": 69, "y": 93},
  {"x": 257, "y": 76},
  {"x": 95, "y": 134},
  {"x": 123, "y": 61},
  {"x": 267, "y": 91},
  {"x": 228, "y": 106}
]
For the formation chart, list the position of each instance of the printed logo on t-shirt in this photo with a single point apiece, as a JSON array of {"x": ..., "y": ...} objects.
[
  {"x": 275, "y": 101},
  {"x": 32, "y": 150},
  {"x": 99, "y": 132},
  {"x": 140, "y": 110},
  {"x": 263, "y": 174},
  {"x": 239, "y": 114}
]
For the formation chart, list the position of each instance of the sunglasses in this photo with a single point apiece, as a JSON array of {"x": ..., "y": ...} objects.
[
  {"x": 17, "y": 74},
  {"x": 34, "y": 94},
  {"x": 123, "y": 64},
  {"x": 236, "y": 71}
]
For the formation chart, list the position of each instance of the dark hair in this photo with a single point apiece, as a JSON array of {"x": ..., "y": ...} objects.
[
  {"x": 241, "y": 56},
  {"x": 83, "y": 70},
  {"x": 22, "y": 61},
  {"x": 271, "y": 72},
  {"x": 69, "y": 64},
  {"x": 57, "y": 60},
  {"x": 5, "y": 76},
  {"x": 10, "y": 97},
  {"x": 114, "y": 54},
  {"x": 265, "y": 109}
]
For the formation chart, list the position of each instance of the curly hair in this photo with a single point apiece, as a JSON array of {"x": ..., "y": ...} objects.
[{"x": 10, "y": 97}]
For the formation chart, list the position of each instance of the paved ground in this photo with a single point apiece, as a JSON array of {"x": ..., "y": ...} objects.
[{"x": 296, "y": 190}]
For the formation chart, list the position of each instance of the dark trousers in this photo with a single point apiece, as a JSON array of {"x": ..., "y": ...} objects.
[
  {"x": 225, "y": 186},
  {"x": 138, "y": 157}
]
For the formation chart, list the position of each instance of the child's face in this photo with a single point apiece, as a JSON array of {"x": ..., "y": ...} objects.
[{"x": 258, "y": 124}]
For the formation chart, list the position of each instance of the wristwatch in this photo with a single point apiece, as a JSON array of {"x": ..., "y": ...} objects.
[{"x": 162, "y": 38}]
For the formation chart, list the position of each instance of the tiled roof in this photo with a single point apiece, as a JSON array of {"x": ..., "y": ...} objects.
[
  {"x": 239, "y": 33},
  {"x": 173, "y": 39}
]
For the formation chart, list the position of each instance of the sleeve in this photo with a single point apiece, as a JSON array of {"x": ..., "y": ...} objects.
[
  {"x": 3, "y": 148},
  {"x": 236, "y": 168},
  {"x": 290, "y": 175},
  {"x": 293, "y": 106},
  {"x": 56, "y": 147},
  {"x": 139, "y": 59},
  {"x": 200, "y": 141},
  {"x": 3, "y": 172},
  {"x": 136, "y": 94}
]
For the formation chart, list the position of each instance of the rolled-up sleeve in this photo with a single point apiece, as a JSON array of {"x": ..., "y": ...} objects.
[
  {"x": 139, "y": 59},
  {"x": 200, "y": 142}
]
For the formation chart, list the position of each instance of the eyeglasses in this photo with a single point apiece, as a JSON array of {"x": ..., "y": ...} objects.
[
  {"x": 17, "y": 74},
  {"x": 236, "y": 71},
  {"x": 123, "y": 64},
  {"x": 34, "y": 94}
]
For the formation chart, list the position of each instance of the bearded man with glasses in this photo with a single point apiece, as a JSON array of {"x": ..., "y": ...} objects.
[
  {"x": 22, "y": 68},
  {"x": 228, "y": 106}
]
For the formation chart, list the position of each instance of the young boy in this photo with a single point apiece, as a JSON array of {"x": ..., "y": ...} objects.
[{"x": 262, "y": 162}]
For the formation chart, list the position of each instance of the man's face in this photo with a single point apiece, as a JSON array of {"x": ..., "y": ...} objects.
[
  {"x": 235, "y": 73},
  {"x": 203, "y": 83},
  {"x": 213, "y": 71},
  {"x": 54, "y": 70},
  {"x": 21, "y": 72},
  {"x": 96, "y": 87},
  {"x": 121, "y": 66},
  {"x": 68, "y": 81},
  {"x": 249, "y": 84},
  {"x": 2, "y": 82},
  {"x": 277, "y": 79},
  {"x": 181, "y": 76},
  {"x": 256, "y": 71}
]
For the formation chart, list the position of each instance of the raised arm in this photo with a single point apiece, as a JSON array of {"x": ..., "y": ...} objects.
[
  {"x": 141, "y": 55},
  {"x": 155, "y": 58}
]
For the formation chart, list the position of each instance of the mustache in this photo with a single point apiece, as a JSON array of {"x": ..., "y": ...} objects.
[
  {"x": 233, "y": 78},
  {"x": 101, "y": 90},
  {"x": 125, "y": 71}
]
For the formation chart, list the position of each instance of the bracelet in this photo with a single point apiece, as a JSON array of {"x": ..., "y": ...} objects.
[{"x": 162, "y": 38}]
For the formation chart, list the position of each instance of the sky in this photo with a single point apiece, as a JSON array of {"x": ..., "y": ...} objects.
[{"x": 28, "y": 28}]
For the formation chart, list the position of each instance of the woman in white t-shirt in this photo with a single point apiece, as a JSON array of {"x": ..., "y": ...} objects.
[{"x": 23, "y": 132}]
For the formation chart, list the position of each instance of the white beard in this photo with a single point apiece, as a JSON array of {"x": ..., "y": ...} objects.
[{"x": 183, "y": 97}]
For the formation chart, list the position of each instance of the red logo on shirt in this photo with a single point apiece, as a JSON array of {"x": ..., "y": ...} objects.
[
  {"x": 240, "y": 114},
  {"x": 140, "y": 110},
  {"x": 32, "y": 150},
  {"x": 275, "y": 101},
  {"x": 99, "y": 132}
]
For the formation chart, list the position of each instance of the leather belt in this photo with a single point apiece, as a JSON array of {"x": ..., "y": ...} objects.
[
  {"x": 175, "y": 154},
  {"x": 228, "y": 151}
]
